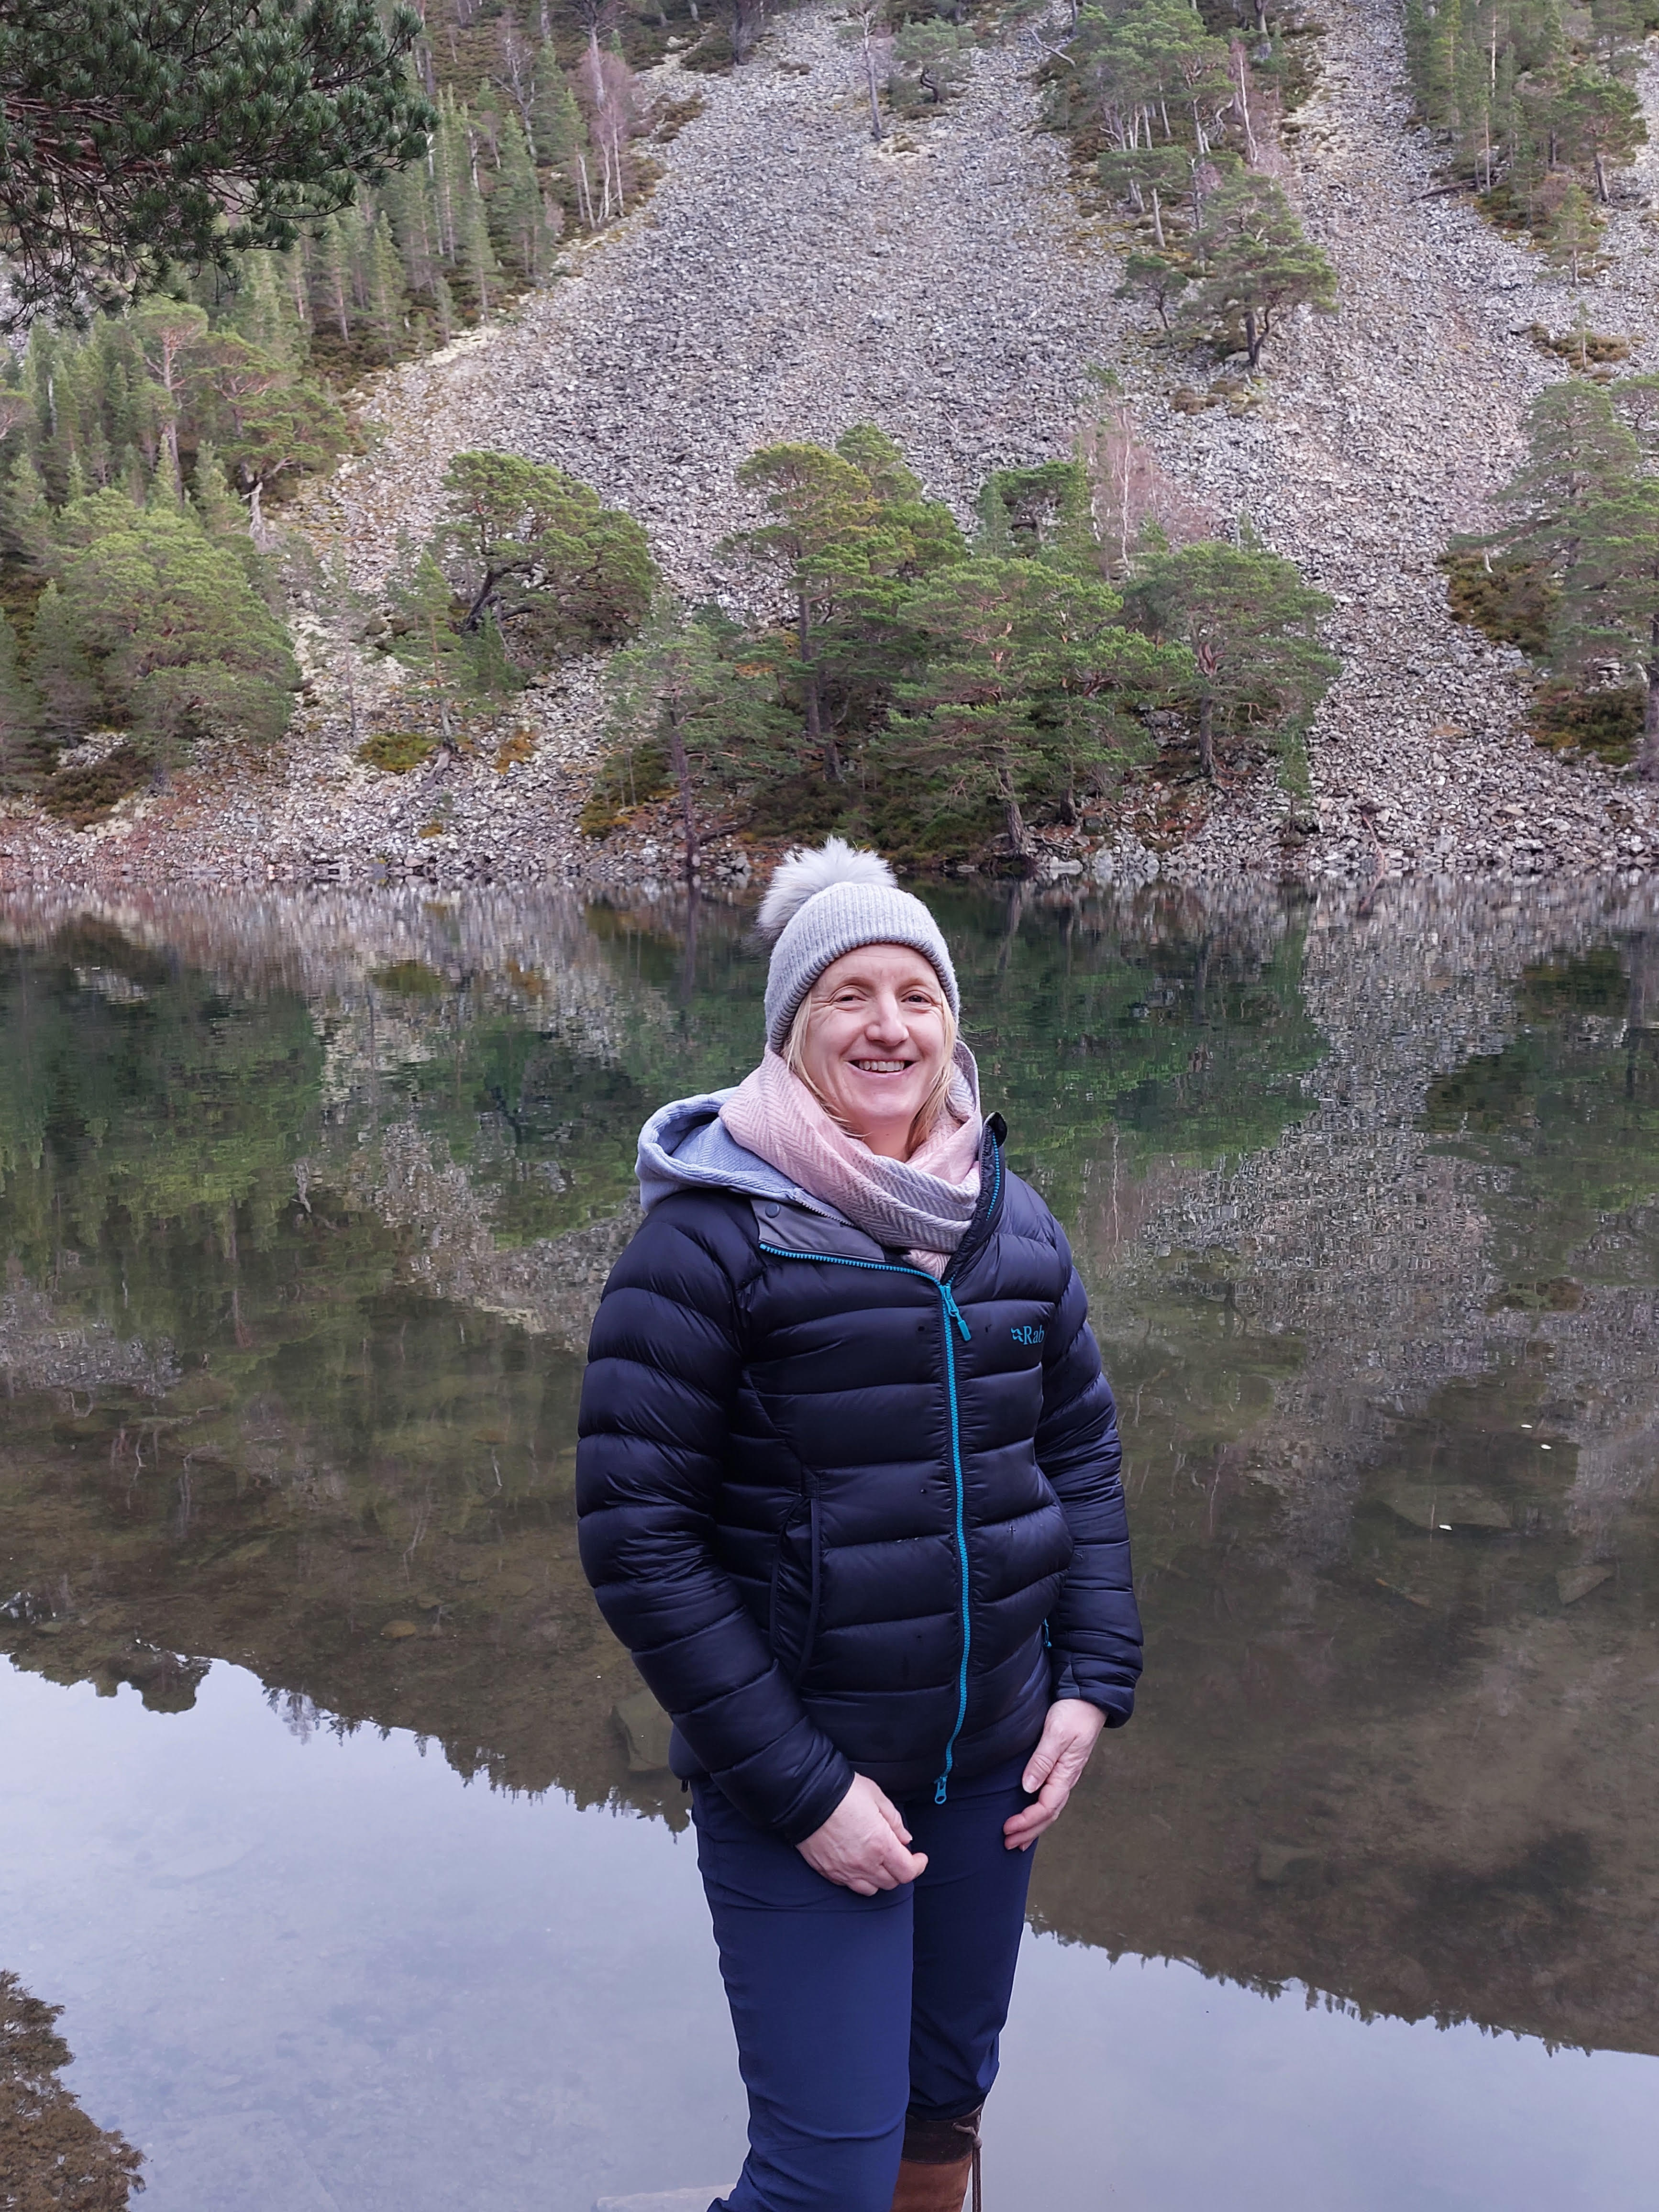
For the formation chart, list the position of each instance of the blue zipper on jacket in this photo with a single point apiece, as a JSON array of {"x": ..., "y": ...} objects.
[{"x": 951, "y": 1312}]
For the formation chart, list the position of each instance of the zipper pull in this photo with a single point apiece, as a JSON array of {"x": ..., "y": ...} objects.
[
  {"x": 955, "y": 1312},
  {"x": 939, "y": 1790}
]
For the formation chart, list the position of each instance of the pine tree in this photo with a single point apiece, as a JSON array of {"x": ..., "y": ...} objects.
[
  {"x": 265, "y": 422},
  {"x": 407, "y": 200},
  {"x": 933, "y": 60},
  {"x": 386, "y": 288},
  {"x": 1578, "y": 451},
  {"x": 824, "y": 509},
  {"x": 1610, "y": 605},
  {"x": 20, "y": 716},
  {"x": 531, "y": 549},
  {"x": 331, "y": 281},
  {"x": 475, "y": 256},
  {"x": 659, "y": 692},
  {"x": 59, "y": 671},
  {"x": 28, "y": 533},
  {"x": 1598, "y": 122},
  {"x": 1151, "y": 177},
  {"x": 1258, "y": 262},
  {"x": 429, "y": 637},
  {"x": 181, "y": 135},
  {"x": 1574, "y": 233},
  {"x": 450, "y": 176},
  {"x": 168, "y": 331},
  {"x": 182, "y": 646},
  {"x": 517, "y": 220},
  {"x": 263, "y": 312},
  {"x": 561, "y": 139},
  {"x": 443, "y": 309},
  {"x": 1251, "y": 627},
  {"x": 1028, "y": 690},
  {"x": 1587, "y": 516}
]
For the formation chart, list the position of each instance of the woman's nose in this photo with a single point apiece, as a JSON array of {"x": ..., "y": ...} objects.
[{"x": 887, "y": 1021}]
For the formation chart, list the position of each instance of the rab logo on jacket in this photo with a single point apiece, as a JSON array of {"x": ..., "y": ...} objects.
[{"x": 1026, "y": 1332}]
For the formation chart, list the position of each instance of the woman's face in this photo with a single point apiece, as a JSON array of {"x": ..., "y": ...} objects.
[{"x": 875, "y": 1042}]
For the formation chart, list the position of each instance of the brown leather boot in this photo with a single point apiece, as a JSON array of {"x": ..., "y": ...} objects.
[{"x": 941, "y": 2157}]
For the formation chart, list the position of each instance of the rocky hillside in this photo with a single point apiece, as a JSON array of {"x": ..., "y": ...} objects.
[{"x": 787, "y": 278}]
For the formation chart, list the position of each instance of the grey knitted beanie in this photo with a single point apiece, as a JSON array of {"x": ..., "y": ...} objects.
[{"x": 822, "y": 903}]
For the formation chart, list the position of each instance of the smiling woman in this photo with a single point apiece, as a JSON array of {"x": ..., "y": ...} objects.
[{"x": 848, "y": 1490}]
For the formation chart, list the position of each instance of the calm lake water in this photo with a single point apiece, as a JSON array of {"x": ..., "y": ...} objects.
[{"x": 330, "y": 1814}]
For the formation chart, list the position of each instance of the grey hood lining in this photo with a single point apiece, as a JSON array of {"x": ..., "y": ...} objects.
[{"x": 686, "y": 1146}]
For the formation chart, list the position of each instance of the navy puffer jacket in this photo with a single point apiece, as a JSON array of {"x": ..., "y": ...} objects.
[{"x": 845, "y": 1517}]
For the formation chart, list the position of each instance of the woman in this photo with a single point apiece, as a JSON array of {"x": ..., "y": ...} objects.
[{"x": 848, "y": 1489}]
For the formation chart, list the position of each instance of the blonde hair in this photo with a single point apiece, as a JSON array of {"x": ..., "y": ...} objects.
[{"x": 931, "y": 1106}]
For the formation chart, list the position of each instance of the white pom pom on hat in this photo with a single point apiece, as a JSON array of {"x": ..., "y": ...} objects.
[
  {"x": 805, "y": 872},
  {"x": 826, "y": 901}
]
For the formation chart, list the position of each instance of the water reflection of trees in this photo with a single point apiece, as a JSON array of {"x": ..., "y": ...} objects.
[
  {"x": 53, "y": 2157},
  {"x": 1358, "y": 1198},
  {"x": 1401, "y": 1760}
]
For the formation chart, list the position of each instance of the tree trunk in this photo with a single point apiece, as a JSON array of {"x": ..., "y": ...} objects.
[
  {"x": 257, "y": 528},
  {"x": 1157, "y": 233},
  {"x": 1251, "y": 153},
  {"x": 1253, "y": 337},
  {"x": 1207, "y": 739},
  {"x": 1601, "y": 179},
  {"x": 873, "y": 83},
  {"x": 681, "y": 767},
  {"x": 816, "y": 736},
  {"x": 170, "y": 440}
]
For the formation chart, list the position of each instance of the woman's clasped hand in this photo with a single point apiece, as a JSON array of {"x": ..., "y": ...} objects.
[{"x": 862, "y": 1845}]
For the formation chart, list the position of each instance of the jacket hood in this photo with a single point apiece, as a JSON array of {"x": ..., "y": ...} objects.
[{"x": 686, "y": 1146}]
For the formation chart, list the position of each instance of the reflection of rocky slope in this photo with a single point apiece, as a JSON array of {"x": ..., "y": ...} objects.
[
  {"x": 548, "y": 1287},
  {"x": 1359, "y": 1235},
  {"x": 1405, "y": 1763},
  {"x": 536, "y": 953},
  {"x": 43, "y": 1349}
]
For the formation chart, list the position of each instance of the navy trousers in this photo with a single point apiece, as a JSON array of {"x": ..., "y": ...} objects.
[{"x": 850, "y": 2010}]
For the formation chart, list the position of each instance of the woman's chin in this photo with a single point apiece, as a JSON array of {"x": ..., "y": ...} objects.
[{"x": 869, "y": 1102}]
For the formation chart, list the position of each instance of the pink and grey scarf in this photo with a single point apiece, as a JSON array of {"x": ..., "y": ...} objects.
[{"x": 922, "y": 1205}]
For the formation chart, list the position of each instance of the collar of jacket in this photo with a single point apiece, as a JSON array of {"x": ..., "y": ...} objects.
[
  {"x": 993, "y": 1189},
  {"x": 685, "y": 1145}
]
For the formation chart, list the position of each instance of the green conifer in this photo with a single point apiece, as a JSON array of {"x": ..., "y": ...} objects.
[
  {"x": 19, "y": 717},
  {"x": 59, "y": 669},
  {"x": 561, "y": 139},
  {"x": 28, "y": 533},
  {"x": 386, "y": 288},
  {"x": 517, "y": 219},
  {"x": 331, "y": 282},
  {"x": 476, "y": 256}
]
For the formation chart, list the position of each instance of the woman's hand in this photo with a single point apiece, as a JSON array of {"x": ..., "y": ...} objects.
[
  {"x": 1068, "y": 1736},
  {"x": 862, "y": 1844}
]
